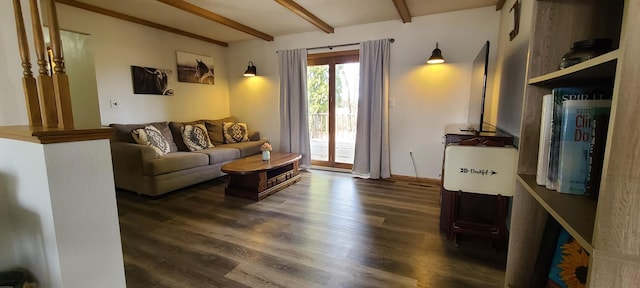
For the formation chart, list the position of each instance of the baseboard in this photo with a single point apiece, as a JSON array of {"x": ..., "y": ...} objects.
[
  {"x": 332, "y": 169},
  {"x": 419, "y": 180},
  {"x": 410, "y": 179}
]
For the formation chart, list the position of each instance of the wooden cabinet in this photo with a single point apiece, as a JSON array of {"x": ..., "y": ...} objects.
[
  {"x": 608, "y": 228},
  {"x": 472, "y": 213}
]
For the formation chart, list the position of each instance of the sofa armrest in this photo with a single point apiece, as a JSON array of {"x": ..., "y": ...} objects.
[
  {"x": 128, "y": 159},
  {"x": 254, "y": 135},
  {"x": 130, "y": 152}
]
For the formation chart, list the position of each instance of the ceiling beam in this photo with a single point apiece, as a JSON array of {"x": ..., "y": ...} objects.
[
  {"x": 136, "y": 20},
  {"x": 193, "y": 9},
  {"x": 304, "y": 13},
  {"x": 500, "y": 4},
  {"x": 403, "y": 10}
]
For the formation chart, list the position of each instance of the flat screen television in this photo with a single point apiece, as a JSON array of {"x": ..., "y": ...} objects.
[{"x": 475, "y": 116}]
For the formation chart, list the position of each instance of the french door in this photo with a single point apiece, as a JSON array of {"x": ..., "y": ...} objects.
[{"x": 332, "y": 87}]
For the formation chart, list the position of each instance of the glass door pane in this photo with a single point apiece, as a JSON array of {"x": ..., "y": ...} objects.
[
  {"x": 318, "y": 97},
  {"x": 347, "y": 86}
]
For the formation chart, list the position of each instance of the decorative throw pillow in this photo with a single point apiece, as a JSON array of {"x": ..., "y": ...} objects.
[
  {"x": 196, "y": 137},
  {"x": 214, "y": 127},
  {"x": 123, "y": 132},
  {"x": 235, "y": 132},
  {"x": 151, "y": 136}
]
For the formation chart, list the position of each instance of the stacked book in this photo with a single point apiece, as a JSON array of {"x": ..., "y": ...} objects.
[{"x": 573, "y": 132}]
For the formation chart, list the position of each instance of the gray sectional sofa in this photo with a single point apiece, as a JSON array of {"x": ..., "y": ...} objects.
[{"x": 140, "y": 169}]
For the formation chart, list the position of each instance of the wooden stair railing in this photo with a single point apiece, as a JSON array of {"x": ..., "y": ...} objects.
[
  {"x": 49, "y": 98},
  {"x": 60, "y": 78},
  {"x": 28, "y": 82},
  {"x": 45, "y": 83}
]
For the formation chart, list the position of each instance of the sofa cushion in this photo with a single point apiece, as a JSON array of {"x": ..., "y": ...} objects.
[
  {"x": 176, "y": 131},
  {"x": 195, "y": 137},
  {"x": 214, "y": 127},
  {"x": 152, "y": 137},
  {"x": 219, "y": 155},
  {"x": 245, "y": 148},
  {"x": 235, "y": 132},
  {"x": 174, "y": 162},
  {"x": 123, "y": 132}
]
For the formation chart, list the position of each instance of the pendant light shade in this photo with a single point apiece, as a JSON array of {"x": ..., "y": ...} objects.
[
  {"x": 251, "y": 70},
  {"x": 436, "y": 56}
]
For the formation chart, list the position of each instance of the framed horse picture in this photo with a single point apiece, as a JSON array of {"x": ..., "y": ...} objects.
[
  {"x": 147, "y": 80},
  {"x": 194, "y": 68}
]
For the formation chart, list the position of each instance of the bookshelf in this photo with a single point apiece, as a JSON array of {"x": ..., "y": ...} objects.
[{"x": 609, "y": 227}]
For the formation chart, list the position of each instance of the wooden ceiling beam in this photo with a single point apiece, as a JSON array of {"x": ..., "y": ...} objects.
[
  {"x": 136, "y": 20},
  {"x": 193, "y": 9},
  {"x": 403, "y": 10},
  {"x": 500, "y": 4},
  {"x": 304, "y": 13}
]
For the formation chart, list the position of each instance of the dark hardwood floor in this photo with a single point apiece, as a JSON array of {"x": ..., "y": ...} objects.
[{"x": 328, "y": 230}]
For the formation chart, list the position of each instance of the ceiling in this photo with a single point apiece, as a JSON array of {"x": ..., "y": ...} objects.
[{"x": 265, "y": 19}]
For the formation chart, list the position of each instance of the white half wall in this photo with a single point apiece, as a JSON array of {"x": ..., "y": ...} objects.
[
  {"x": 63, "y": 230},
  {"x": 426, "y": 97},
  {"x": 27, "y": 199}
]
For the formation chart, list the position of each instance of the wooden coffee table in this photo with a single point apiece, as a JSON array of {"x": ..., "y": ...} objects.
[{"x": 253, "y": 178}]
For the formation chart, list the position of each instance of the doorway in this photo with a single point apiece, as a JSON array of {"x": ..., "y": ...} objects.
[{"x": 332, "y": 87}]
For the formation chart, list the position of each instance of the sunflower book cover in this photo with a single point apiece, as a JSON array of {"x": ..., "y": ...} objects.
[{"x": 569, "y": 265}]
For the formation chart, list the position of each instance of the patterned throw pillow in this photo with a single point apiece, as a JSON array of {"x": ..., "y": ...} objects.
[
  {"x": 196, "y": 137},
  {"x": 235, "y": 132},
  {"x": 151, "y": 136}
]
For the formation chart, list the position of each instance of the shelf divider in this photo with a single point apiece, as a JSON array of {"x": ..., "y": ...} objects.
[{"x": 576, "y": 213}]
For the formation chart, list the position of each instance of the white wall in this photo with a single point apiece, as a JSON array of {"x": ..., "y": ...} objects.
[
  {"x": 511, "y": 68},
  {"x": 64, "y": 231},
  {"x": 78, "y": 58},
  {"x": 426, "y": 97},
  {"x": 118, "y": 44}
]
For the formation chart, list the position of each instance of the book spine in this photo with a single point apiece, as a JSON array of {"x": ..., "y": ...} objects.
[
  {"x": 599, "y": 127},
  {"x": 545, "y": 140},
  {"x": 560, "y": 95},
  {"x": 573, "y": 163}
]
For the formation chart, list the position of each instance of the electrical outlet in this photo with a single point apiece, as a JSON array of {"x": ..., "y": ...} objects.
[{"x": 115, "y": 104}]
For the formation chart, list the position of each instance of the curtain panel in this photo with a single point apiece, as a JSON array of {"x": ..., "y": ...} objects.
[
  {"x": 372, "y": 158},
  {"x": 294, "y": 122}
]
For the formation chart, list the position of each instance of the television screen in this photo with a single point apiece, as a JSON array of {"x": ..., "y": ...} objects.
[{"x": 475, "y": 116}]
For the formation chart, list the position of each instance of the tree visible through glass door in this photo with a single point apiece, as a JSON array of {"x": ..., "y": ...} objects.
[{"x": 332, "y": 85}]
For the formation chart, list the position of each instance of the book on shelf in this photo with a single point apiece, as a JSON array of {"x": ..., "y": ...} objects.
[
  {"x": 570, "y": 263},
  {"x": 545, "y": 140},
  {"x": 599, "y": 127},
  {"x": 575, "y": 142},
  {"x": 560, "y": 95}
]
